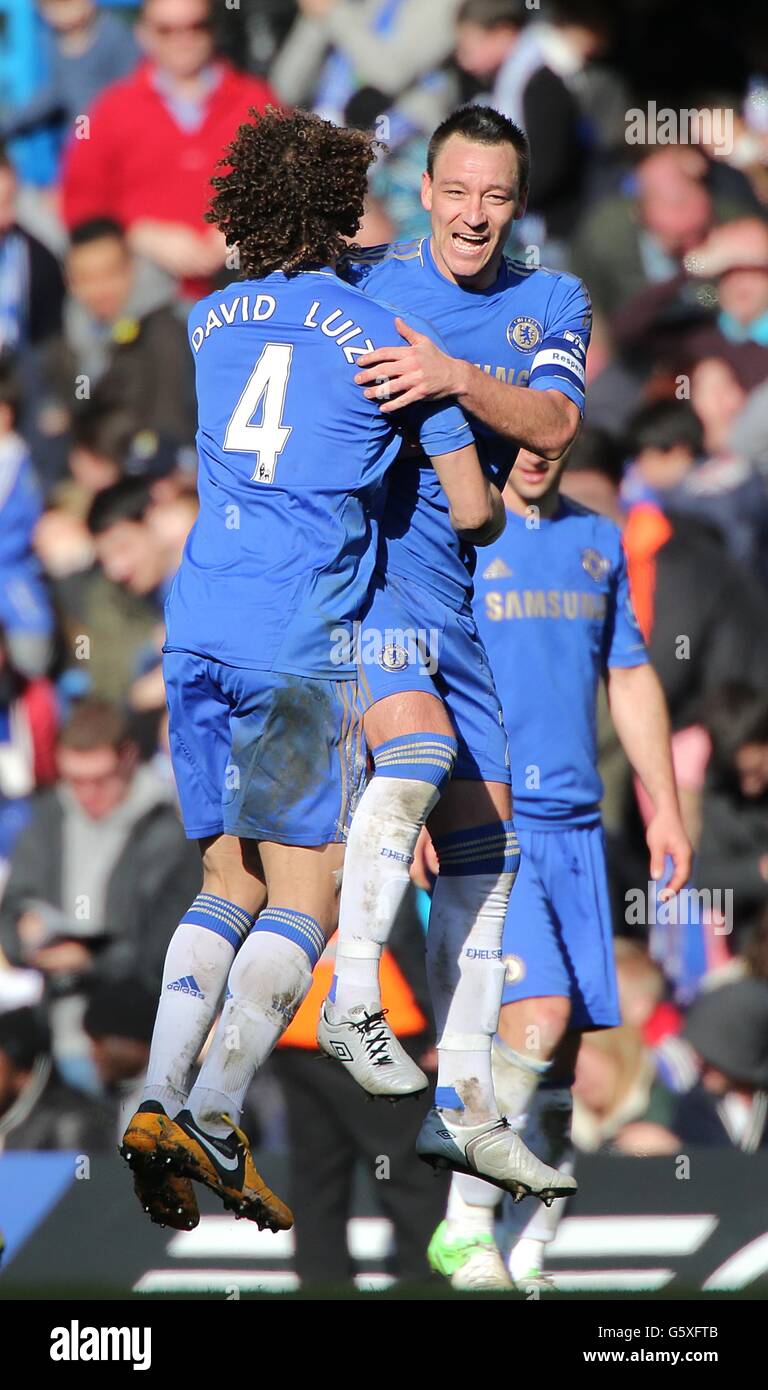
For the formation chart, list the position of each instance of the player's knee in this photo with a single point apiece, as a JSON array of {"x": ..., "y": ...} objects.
[
  {"x": 411, "y": 772},
  {"x": 471, "y": 805},
  {"x": 226, "y": 876},
  {"x": 408, "y": 712},
  {"x": 535, "y": 1026},
  {"x": 418, "y": 757}
]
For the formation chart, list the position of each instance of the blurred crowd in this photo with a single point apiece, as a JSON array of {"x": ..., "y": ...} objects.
[{"x": 104, "y": 170}]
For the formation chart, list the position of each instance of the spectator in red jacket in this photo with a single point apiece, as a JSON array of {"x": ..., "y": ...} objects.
[{"x": 153, "y": 139}]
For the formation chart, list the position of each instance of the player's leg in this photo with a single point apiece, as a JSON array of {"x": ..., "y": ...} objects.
[
  {"x": 478, "y": 855},
  {"x": 573, "y": 863},
  {"x": 277, "y": 723},
  {"x": 413, "y": 747},
  {"x": 475, "y": 841},
  {"x": 269, "y": 980},
  {"x": 525, "y": 1236},
  {"x": 204, "y": 944},
  {"x": 560, "y": 980},
  {"x": 463, "y": 1247},
  {"x": 198, "y": 961}
]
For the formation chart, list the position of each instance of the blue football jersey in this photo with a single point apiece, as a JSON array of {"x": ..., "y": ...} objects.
[
  {"x": 292, "y": 467},
  {"x": 24, "y": 601},
  {"x": 530, "y": 328},
  {"x": 554, "y": 610}
]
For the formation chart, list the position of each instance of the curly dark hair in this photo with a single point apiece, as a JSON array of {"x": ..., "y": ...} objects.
[{"x": 294, "y": 190}]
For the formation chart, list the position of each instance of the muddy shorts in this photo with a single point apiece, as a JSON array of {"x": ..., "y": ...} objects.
[{"x": 263, "y": 755}]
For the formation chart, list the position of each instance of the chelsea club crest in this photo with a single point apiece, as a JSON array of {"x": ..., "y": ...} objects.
[
  {"x": 393, "y": 658},
  {"x": 524, "y": 333},
  {"x": 596, "y": 565}
]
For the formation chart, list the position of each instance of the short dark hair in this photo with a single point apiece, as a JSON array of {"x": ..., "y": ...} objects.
[
  {"x": 493, "y": 14},
  {"x": 596, "y": 451},
  {"x": 485, "y": 126},
  {"x": 127, "y": 500},
  {"x": 24, "y": 1036},
  {"x": 734, "y": 715},
  {"x": 103, "y": 431},
  {"x": 293, "y": 190},
  {"x": 666, "y": 425},
  {"x": 96, "y": 229},
  {"x": 93, "y": 724},
  {"x": 10, "y": 388}
]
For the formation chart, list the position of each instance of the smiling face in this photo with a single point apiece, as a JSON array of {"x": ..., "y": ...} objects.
[{"x": 472, "y": 198}]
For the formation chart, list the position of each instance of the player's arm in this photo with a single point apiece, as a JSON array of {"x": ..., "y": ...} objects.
[
  {"x": 639, "y": 713},
  {"x": 477, "y": 511},
  {"x": 474, "y": 509},
  {"x": 543, "y": 420}
]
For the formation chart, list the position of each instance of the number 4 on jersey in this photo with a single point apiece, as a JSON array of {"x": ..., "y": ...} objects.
[{"x": 267, "y": 383}]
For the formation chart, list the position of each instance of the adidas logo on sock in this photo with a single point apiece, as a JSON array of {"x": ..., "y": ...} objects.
[
  {"x": 187, "y": 985},
  {"x": 498, "y": 569}
]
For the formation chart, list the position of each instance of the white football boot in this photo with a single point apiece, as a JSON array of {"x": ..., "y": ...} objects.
[
  {"x": 492, "y": 1151},
  {"x": 362, "y": 1040},
  {"x": 472, "y": 1262}
]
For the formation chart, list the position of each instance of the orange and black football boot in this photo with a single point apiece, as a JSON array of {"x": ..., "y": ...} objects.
[
  {"x": 168, "y": 1200},
  {"x": 225, "y": 1166}
]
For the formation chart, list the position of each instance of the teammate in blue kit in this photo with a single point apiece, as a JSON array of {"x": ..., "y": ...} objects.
[
  {"x": 554, "y": 609},
  {"x": 265, "y": 719},
  {"x": 515, "y": 341}
]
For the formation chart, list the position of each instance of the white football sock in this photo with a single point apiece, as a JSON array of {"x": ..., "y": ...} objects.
[
  {"x": 464, "y": 965},
  {"x": 527, "y": 1256},
  {"x": 547, "y": 1133},
  {"x": 466, "y": 1217},
  {"x": 270, "y": 977},
  {"x": 530, "y": 1234},
  {"x": 515, "y": 1079},
  {"x": 197, "y": 962},
  {"x": 378, "y": 857}
]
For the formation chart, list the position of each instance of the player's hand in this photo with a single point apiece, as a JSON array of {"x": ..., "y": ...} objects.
[
  {"x": 66, "y": 957},
  {"x": 177, "y": 247},
  {"x": 30, "y": 931},
  {"x": 316, "y": 9},
  {"x": 666, "y": 836},
  {"x": 419, "y": 372}
]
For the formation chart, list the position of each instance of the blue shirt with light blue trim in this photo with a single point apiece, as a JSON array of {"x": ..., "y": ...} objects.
[
  {"x": 530, "y": 328},
  {"x": 554, "y": 611},
  {"x": 25, "y": 604},
  {"x": 292, "y": 474}
]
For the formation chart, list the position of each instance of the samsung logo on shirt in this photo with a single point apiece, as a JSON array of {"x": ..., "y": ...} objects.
[{"x": 545, "y": 603}]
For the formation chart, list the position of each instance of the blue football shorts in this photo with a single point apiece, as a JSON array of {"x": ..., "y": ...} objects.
[
  {"x": 263, "y": 755},
  {"x": 558, "y": 936},
  {"x": 411, "y": 640}
]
